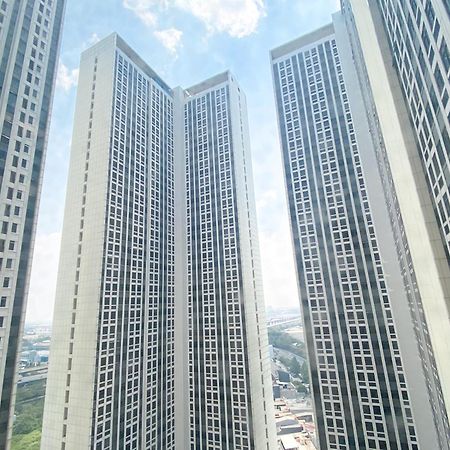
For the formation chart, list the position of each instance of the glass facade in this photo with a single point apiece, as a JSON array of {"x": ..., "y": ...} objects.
[
  {"x": 220, "y": 410},
  {"x": 412, "y": 288},
  {"x": 134, "y": 390}
]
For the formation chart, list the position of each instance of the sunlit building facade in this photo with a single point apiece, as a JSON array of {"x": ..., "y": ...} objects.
[
  {"x": 229, "y": 366},
  {"x": 111, "y": 375}
]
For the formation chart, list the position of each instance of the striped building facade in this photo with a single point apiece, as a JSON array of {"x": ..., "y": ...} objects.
[
  {"x": 159, "y": 336},
  {"x": 362, "y": 347},
  {"x": 30, "y": 36}
]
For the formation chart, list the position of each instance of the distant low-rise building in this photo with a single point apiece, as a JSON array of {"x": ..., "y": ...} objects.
[
  {"x": 289, "y": 443},
  {"x": 29, "y": 358},
  {"x": 284, "y": 377},
  {"x": 276, "y": 391}
]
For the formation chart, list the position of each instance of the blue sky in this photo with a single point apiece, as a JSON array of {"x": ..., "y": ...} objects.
[{"x": 184, "y": 41}]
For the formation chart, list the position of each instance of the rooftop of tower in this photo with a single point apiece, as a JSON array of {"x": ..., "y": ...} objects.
[
  {"x": 115, "y": 39},
  {"x": 120, "y": 43},
  {"x": 211, "y": 82},
  {"x": 302, "y": 41}
]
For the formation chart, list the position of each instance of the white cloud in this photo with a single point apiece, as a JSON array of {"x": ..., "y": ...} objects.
[
  {"x": 277, "y": 256},
  {"x": 265, "y": 199},
  {"x": 66, "y": 78},
  {"x": 170, "y": 38},
  {"x": 43, "y": 278},
  {"x": 93, "y": 39},
  {"x": 238, "y": 18},
  {"x": 144, "y": 9}
]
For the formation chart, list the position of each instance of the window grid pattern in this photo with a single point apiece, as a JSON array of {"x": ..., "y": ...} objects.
[
  {"x": 408, "y": 272},
  {"x": 218, "y": 384},
  {"x": 18, "y": 137},
  {"x": 3, "y": 15},
  {"x": 357, "y": 373},
  {"x": 134, "y": 396},
  {"x": 422, "y": 58},
  {"x": 29, "y": 44}
]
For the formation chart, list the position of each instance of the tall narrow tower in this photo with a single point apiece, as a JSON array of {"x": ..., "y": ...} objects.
[
  {"x": 159, "y": 336},
  {"x": 403, "y": 62},
  {"x": 229, "y": 373},
  {"x": 368, "y": 383},
  {"x": 30, "y": 35},
  {"x": 111, "y": 375}
]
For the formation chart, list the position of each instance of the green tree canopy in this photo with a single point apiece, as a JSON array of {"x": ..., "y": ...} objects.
[
  {"x": 29, "y": 441},
  {"x": 294, "y": 366}
]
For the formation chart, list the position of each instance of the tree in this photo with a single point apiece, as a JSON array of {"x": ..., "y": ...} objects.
[
  {"x": 29, "y": 411},
  {"x": 294, "y": 366},
  {"x": 284, "y": 341},
  {"x": 28, "y": 416},
  {"x": 304, "y": 372},
  {"x": 30, "y": 441},
  {"x": 285, "y": 361}
]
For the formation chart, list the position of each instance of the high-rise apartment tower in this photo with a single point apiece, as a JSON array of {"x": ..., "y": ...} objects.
[
  {"x": 401, "y": 52},
  {"x": 229, "y": 372},
  {"x": 30, "y": 35},
  {"x": 159, "y": 336},
  {"x": 368, "y": 384}
]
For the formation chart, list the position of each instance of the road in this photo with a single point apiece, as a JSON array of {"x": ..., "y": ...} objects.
[
  {"x": 30, "y": 378},
  {"x": 275, "y": 323},
  {"x": 288, "y": 355}
]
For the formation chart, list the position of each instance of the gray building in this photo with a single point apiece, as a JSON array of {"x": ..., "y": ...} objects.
[
  {"x": 368, "y": 384},
  {"x": 159, "y": 336},
  {"x": 30, "y": 35}
]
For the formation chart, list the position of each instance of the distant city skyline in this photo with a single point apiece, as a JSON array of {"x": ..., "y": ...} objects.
[{"x": 209, "y": 44}]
